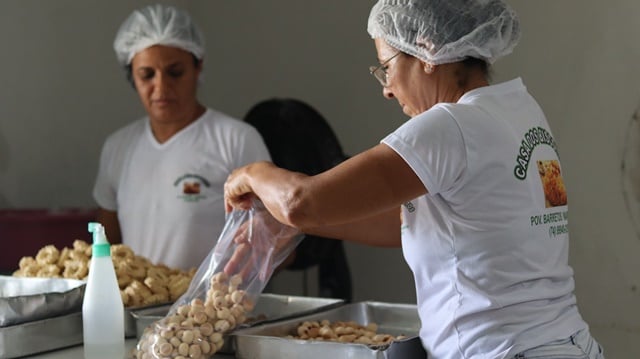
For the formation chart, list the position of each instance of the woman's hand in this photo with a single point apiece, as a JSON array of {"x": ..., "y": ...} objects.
[
  {"x": 336, "y": 203},
  {"x": 261, "y": 244},
  {"x": 238, "y": 192}
]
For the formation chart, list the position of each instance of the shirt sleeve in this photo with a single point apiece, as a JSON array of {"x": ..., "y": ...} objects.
[
  {"x": 432, "y": 145},
  {"x": 251, "y": 148}
]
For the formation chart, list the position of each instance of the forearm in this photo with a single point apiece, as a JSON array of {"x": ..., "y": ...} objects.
[
  {"x": 292, "y": 208},
  {"x": 382, "y": 230},
  {"x": 358, "y": 200},
  {"x": 109, "y": 220}
]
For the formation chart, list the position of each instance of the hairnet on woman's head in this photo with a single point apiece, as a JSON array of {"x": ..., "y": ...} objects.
[
  {"x": 157, "y": 25},
  {"x": 443, "y": 31}
]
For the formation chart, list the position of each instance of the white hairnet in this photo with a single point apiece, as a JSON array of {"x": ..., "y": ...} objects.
[
  {"x": 157, "y": 25},
  {"x": 443, "y": 31}
]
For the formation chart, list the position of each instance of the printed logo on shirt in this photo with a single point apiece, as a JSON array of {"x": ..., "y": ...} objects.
[
  {"x": 410, "y": 208},
  {"x": 190, "y": 187},
  {"x": 556, "y": 220},
  {"x": 555, "y": 223},
  {"x": 555, "y": 193},
  {"x": 534, "y": 137}
]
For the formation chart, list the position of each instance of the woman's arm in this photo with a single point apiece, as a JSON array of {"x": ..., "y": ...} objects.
[
  {"x": 364, "y": 192},
  {"x": 109, "y": 220},
  {"x": 381, "y": 230}
]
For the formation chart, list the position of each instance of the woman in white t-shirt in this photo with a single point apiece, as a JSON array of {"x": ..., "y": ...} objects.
[
  {"x": 470, "y": 187},
  {"x": 160, "y": 180}
]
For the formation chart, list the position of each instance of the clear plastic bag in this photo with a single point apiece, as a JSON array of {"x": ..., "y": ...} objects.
[{"x": 225, "y": 288}]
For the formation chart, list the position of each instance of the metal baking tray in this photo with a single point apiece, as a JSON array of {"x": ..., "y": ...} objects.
[
  {"x": 132, "y": 314},
  {"x": 25, "y": 300},
  {"x": 40, "y": 336},
  {"x": 269, "y": 308},
  {"x": 268, "y": 340}
]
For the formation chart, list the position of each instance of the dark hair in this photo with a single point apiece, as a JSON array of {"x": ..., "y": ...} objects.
[
  {"x": 297, "y": 136},
  {"x": 128, "y": 70},
  {"x": 482, "y": 65},
  {"x": 469, "y": 64},
  {"x": 300, "y": 139}
]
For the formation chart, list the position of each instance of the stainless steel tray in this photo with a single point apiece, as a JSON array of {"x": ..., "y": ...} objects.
[
  {"x": 25, "y": 300},
  {"x": 132, "y": 315},
  {"x": 40, "y": 336},
  {"x": 52, "y": 333},
  {"x": 268, "y": 339},
  {"x": 269, "y": 308}
]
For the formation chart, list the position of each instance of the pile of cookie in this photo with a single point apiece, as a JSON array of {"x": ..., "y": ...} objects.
[
  {"x": 343, "y": 332},
  {"x": 141, "y": 282},
  {"x": 196, "y": 329}
]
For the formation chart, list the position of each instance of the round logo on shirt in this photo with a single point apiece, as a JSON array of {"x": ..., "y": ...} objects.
[{"x": 190, "y": 187}]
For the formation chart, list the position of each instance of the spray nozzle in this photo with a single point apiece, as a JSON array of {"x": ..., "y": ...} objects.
[
  {"x": 101, "y": 246},
  {"x": 98, "y": 233}
]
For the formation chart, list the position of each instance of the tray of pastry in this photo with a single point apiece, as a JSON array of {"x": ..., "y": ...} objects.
[
  {"x": 358, "y": 330},
  {"x": 25, "y": 300},
  {"x": 142, "y": 284},
  {"x": 268, "y": 308}
]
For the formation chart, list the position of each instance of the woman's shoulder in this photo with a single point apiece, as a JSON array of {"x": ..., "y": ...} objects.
[
  {"x": 127, "y": 132},
  {"x": 439, "y": 112},
  {"x": 218, "y": 121}
]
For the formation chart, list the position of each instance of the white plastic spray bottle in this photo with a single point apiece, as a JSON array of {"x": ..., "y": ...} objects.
[{"x": 102, "y": 308}]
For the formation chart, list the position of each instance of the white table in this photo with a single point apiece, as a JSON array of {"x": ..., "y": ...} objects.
[{"x": 77, "y": 352}]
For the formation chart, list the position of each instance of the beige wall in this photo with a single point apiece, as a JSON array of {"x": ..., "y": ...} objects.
[{"x": 62, "y": 93}]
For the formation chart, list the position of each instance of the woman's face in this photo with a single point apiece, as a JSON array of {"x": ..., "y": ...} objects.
[
  {"x": 407, "y": 80},
  {"x": 166, "y": 80}
]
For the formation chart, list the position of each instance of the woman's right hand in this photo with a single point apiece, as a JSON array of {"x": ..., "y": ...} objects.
[
  {"x": 238, "y": 192},
  {"x": 261, "y": 244}
]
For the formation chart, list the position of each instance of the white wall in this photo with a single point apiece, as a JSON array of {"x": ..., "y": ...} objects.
[
  {"x": 580, "y": 60},
  {"x": 62, "y": 93}
]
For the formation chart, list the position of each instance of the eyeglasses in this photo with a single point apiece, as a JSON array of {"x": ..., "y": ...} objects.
[{"x": 380, "y": 71}]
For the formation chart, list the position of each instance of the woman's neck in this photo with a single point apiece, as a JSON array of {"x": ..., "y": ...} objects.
[{"x": 163, "y": 130}]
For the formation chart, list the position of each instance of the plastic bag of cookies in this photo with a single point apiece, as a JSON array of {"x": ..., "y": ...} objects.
[{"x": 224, "y": 288}]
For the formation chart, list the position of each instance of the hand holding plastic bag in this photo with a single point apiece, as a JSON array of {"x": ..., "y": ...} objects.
[
  {"x": 225, "y": 288},
  {"x": 260, "y": 250}
]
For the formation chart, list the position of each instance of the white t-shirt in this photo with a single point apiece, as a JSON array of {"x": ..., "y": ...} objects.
[
  {"x": 488, "y": 245},
  {"x": 169, "y": 197}
]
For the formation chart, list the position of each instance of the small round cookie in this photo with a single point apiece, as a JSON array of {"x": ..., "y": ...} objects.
[
  {"x": 123, "y": 280},
  {"x": 82, "y": 246},
  {"x": 64, "y": 256},
  {"x": 156, "y": 285},
  {"x": 178, "y": 285},
  {"x": 48, "y": 271},
  {"x": 26, "y": 262},
  {"x": 77, "y": 255},
  {"x": 134, "y": 268},
  {"x": 75, "y": 269},
  {"x": 48, "y": 255},
  {"x": 121, "y": 252}
]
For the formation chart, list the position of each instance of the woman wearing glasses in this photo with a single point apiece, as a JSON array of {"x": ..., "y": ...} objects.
[
  {"x": 160, "y": 180},
  {"x": 470, "y": 187}
]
